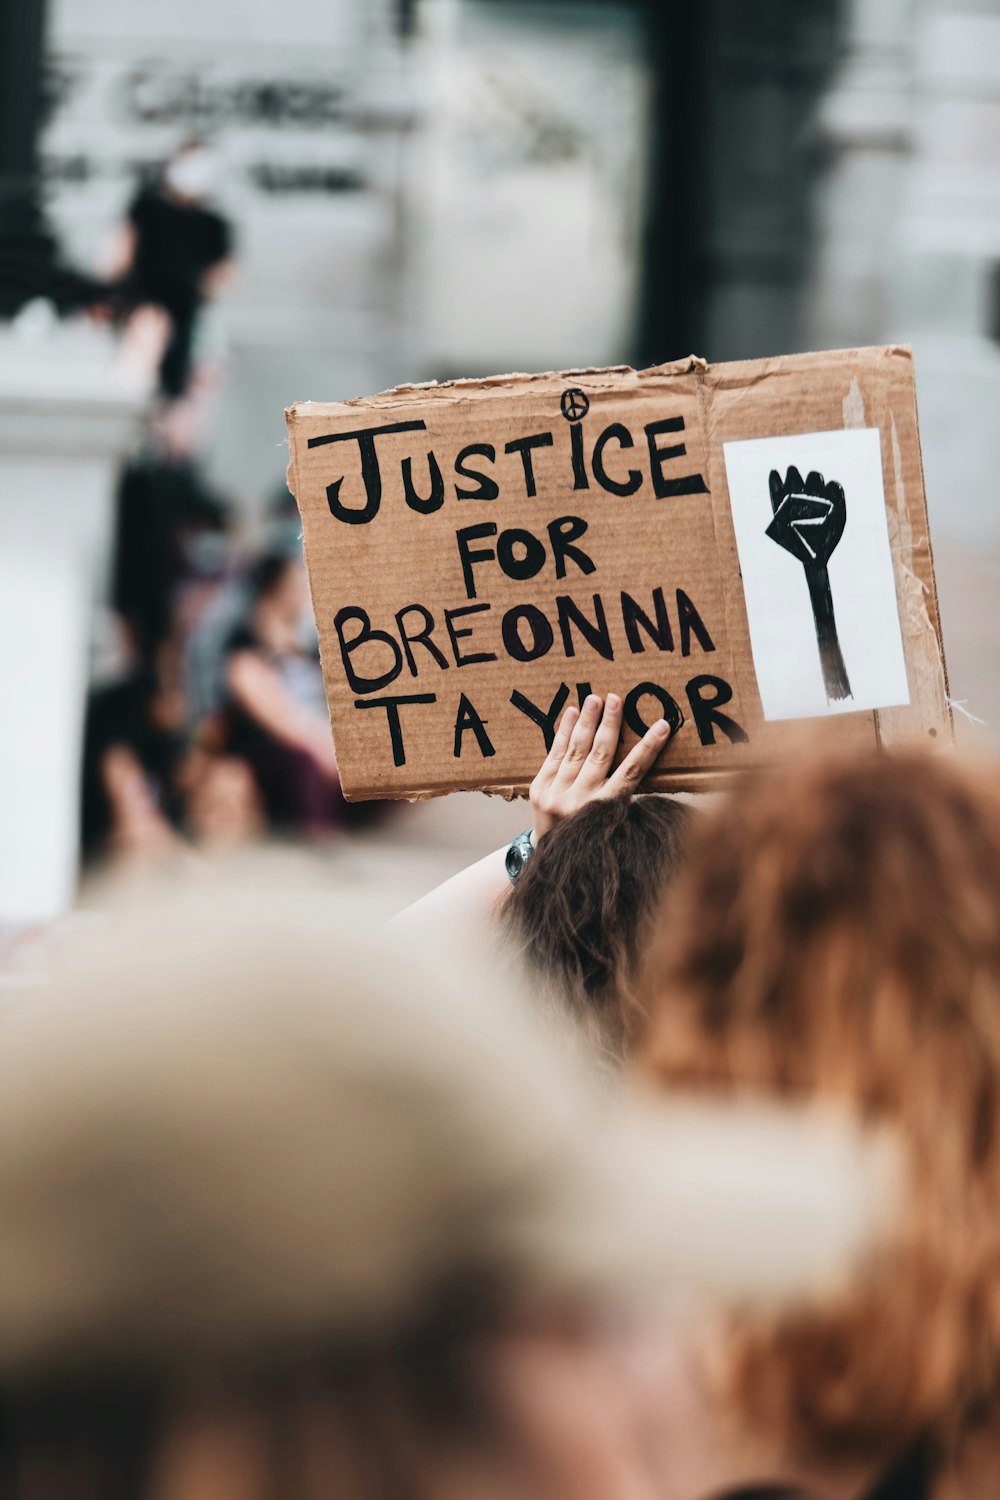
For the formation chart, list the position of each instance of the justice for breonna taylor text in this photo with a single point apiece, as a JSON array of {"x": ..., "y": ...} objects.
[{"x": 414, "y": 639}]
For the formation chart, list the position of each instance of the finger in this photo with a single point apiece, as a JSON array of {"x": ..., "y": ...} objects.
[
  {"x": 602, "y": 752},
  {"x": 580, "y": 740},
  {"x": 557, "y": 749},
  {"x": 640, "y": 760}
]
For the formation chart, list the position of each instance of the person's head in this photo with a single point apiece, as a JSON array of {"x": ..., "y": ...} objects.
[
  {"x": 581, "y": 911},
  {"x": 836, "y": 935},
  {"x": 279, "y": 582},
  {"x": 285, "y": 1212},
  {"x": 191, "y": 174}
]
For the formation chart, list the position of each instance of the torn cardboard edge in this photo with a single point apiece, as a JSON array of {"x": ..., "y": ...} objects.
[
  {"x": 468, "y": 386},
  {"x": 916, "y": 586}
]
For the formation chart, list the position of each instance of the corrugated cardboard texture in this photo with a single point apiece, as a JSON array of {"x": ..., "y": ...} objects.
[{"x": 620, "y": 493}]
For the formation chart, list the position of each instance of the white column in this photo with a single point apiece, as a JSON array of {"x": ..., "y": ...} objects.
[{"x": 67, "y": 414}]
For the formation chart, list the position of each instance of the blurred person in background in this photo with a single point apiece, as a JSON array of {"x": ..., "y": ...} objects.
[
  {"x": 175, "y": 254},
  {"x": 576, "y": 895},
  {"x": 173, "y": 553},
  {"x": 131, "y": 793},
  {"x": 214, "y": 726},
  {"x": 172, "y": 530},
  {"x": 273, "y": 713},
  {"x": 263, "y": 752},
  {"x": 835, "y": 936},
  {"x": 285, "y": 1214}
]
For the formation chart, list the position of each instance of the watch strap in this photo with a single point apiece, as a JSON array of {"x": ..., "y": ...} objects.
[{"x": 518, "y": 854}]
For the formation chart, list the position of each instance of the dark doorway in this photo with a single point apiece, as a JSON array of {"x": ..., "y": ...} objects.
[{"x": 734, "y": 170}]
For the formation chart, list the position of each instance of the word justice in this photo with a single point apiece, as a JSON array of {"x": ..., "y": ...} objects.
[{"x": 611, "y": 457}]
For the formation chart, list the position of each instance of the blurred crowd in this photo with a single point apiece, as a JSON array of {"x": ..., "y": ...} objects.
[
  {"x": 655, "y": 1156},
  {"x": 207, "y": 724},
  {"x": 661, "y": 1163}
]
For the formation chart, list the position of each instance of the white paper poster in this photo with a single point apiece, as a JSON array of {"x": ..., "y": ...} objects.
[{"x": 813, "y": 542}]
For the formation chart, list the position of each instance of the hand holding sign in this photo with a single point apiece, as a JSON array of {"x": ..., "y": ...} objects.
[
  {"x": 575, "y": 771},
  {"x": 809, "y": 520}
]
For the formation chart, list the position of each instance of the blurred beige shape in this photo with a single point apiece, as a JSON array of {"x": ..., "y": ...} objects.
[{"x": 233, "y": 1121}]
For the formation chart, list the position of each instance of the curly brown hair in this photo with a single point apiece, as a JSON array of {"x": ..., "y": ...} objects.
[
  {"x": 582, "y": 911},
  {"x": 836, "y": 934}
]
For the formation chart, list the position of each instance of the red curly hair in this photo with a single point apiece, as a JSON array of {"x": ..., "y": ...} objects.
[{"x": 836, "y": 934}]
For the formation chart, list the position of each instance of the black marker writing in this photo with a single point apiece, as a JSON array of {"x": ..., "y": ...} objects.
[
  {"x": 618, "y": 465},
  {"x": 809, "y": 520}
]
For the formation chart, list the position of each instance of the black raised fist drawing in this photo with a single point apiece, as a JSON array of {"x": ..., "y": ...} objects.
[{"x": 809, "y": 520}]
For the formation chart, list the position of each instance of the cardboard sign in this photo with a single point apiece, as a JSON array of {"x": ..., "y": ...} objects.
[{"x": 728, "y": 546}]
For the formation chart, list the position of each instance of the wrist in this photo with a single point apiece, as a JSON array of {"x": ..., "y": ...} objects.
[{"x": 540, "y": 825}]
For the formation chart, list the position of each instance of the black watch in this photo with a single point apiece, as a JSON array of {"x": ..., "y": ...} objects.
[{"x": 518, "y": 855}]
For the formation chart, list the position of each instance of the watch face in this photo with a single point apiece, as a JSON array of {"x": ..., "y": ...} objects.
[{"x": 515, "y": 861}]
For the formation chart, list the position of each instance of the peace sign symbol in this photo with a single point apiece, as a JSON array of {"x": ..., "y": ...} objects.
[{"x": 574, "y": 404}]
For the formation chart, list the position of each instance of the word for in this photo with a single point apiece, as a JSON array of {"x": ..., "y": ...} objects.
[
  {"x": 705, "y": 696},
  {"x": 611, "y": 462},
  {"x": 527, "y": 633}
]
